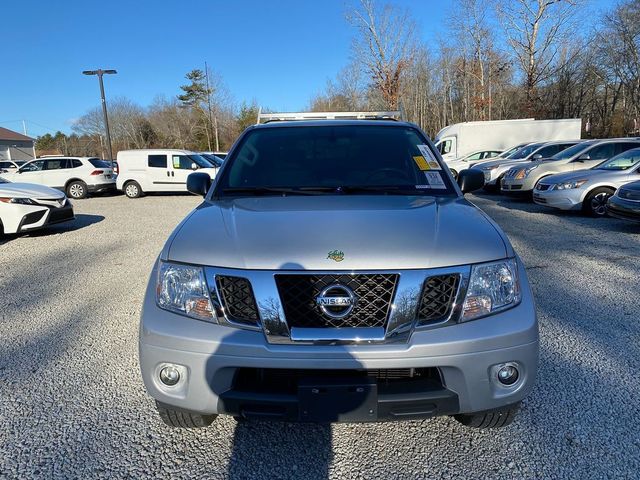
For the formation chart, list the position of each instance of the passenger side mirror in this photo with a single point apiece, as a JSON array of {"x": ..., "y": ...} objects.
[
  {"x": 470, "y": 180},
  {"x": 537, "y": 156},
  {"x": 584, "y": 157},
  {"x": 198, "y": 183}
]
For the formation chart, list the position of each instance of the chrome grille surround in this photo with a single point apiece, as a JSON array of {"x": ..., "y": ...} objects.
[{"x": 402, "y": 319}]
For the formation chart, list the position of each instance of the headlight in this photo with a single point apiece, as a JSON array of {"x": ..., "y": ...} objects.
[
  {"x": 183, "y": 289},
  {"x": 570, "y": 185},
  {"x": 20, "y": 201},
  {"x": 525, "y": 171},
  {"x": 492, "y": 287}
]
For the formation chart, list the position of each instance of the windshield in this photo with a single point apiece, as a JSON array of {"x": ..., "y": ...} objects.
[
  {"x": 200, "y": 161},
  {"x": 571, "y": 151},
  {"x": 215, "y": 161},
  {"x": 511, "y": 151},
  {"x": 333, "y": 159},
  {"x": 624, "y": 161},
  {"x": 524, "y": 152},
  {"x": 96, "y": 162}
]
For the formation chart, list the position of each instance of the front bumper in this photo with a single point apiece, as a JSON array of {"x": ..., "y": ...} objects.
[
  {"x": 511, "y": 185},
  {"x": 42, "y": 216},
  {"x": 623, "y": 209},
  {"x": 465, "y": 355},
  {"x": 562, "y": 199}
]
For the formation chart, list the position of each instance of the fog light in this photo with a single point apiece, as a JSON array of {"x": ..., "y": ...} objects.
[
  {"x": 508, "y": 375},
  {"x": 169, "y": 376}
]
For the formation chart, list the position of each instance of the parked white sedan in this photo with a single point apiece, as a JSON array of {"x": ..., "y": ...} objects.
[{"x": 26, "y": 206}]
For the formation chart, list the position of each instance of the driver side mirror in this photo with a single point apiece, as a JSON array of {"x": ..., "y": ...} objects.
[
  {"x": 194, "y": 166},
  {"x": 584, "y": 157},
  {"x": 198, "y": 183},
  {"x": 537, "y": 156},
  {"x": 470, "y": 180}
]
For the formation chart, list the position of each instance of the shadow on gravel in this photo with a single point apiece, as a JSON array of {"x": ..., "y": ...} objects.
[{"x": 82, "y": 220}]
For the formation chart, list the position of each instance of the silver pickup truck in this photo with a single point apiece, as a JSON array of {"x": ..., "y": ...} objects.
[{"x": 335, "y": 272}]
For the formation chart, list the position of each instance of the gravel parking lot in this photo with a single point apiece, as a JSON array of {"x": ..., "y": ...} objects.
[{"x": 72, "y": 404}]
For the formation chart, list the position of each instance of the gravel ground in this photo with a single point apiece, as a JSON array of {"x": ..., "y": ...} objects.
[{"x": 72, "y": 404}]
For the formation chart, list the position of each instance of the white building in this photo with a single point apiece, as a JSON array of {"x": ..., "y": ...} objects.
[{"x": 15, "y": 146}]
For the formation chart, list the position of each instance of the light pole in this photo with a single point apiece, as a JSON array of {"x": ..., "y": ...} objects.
[{"x": 99, "y": 73}]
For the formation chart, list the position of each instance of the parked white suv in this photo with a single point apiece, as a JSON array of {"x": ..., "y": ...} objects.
[
  {"x": 10, "y": 165},
  {"x": 76, "y": 176},
  {"x": 142, "y": 171}
]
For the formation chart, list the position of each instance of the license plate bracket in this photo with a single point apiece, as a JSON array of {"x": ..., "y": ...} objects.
[{"x": 348, "y": 399}]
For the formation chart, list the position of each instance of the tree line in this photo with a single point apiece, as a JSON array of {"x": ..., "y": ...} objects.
[{"x": 496, "y": 59}]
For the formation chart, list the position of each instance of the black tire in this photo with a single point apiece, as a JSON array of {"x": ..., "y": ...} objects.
[
  {"x": 595, "y": 203},
  {"x": 183, "y": 419},
  {"x": 454, "y": 173},
  {"x": 498, "y": 418},
  {"x": 132, "y": 189},
  {"x": 77, "y": 189}
]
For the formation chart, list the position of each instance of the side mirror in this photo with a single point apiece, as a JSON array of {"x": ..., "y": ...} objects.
[
  {"x": 194, "y": 166},
  {"x": 198, "y": 183},
  {"x": 584, "y": 157},
  {"x": 470, "y": 180},
  {"x": 537, "y": 156}
]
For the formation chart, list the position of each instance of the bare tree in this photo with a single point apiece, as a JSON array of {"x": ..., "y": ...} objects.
[
  {"x": 535, "y": 30},
  {"x": 384, "y": 46}
]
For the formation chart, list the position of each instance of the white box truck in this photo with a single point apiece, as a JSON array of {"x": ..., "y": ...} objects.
[{"x": 461, "y": 139}]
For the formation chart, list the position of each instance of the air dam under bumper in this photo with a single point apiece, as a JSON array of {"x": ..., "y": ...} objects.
[{"x": 465, "y": 355}]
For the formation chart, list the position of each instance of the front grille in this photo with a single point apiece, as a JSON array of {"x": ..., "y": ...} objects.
[
  {"x": 542, "y": 187},
  {"x": 285, "y": 381},
  {"x": 374, "y": 293},
  {"x": 60, "y": 214},
  {"x": 237, "y": 299},
  {"x": 438, "y": 297}
]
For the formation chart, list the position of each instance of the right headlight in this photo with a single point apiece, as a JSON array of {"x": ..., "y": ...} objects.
[
  {"x": 492, "y": 287},
  {"x": 183, "y": 289}
]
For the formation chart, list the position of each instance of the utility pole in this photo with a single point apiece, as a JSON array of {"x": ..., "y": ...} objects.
[
  {"x": 100, "y": 72},
  {"x": 211, "y": 120}
]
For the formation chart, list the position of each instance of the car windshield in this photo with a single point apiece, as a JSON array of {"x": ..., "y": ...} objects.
[
  {"x": 215, "y": 161},
  {"x": 201, "y": 161},
  {"x": 524, "y": 152},
  {"x": 96, "y": 162},
  {"x": 338, "y": 159},
  {"x": 624, "y": 161},
  {"x": 571, "y": 151}
]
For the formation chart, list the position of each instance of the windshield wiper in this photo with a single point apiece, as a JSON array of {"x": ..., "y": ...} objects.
[
  {"x": 268, "y": 190},
  {"x": 382, "y": 189}
]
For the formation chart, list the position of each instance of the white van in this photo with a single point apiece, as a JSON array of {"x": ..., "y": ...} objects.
[
  {"x": 160, "y": 170},
  {"x": 461, "y": 139}
]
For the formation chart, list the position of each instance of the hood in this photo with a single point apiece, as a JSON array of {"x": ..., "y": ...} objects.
[
  {"x": 584, "y": 174},
  {"x": 371, "y": 233},
  {"x": 29, "y": 190}
]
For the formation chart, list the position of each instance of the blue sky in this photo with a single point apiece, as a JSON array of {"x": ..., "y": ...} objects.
[{"x": 278, "y": 52}]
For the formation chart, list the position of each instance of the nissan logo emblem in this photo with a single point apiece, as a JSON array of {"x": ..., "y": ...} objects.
[{"x": 336, "y": 301}]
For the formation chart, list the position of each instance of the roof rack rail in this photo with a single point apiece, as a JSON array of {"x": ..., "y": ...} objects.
[{"x": 289, "y": 116}]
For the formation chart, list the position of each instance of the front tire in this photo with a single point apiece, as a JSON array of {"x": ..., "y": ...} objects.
[
  {"x": 595, "y": 203},
  {"x": 455, "y": 174},
  {"x": 182, "y": 419},
  {"x": 77, "y": 190},
  {"x": 497, "y": 418},
  {"x": 132, "y": 189}
]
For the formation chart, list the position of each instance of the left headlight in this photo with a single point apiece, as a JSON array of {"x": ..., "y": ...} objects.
[
  {"x": 525, "y": 172},
  {"x": 183, "y": 289},
  {"x": 570, "y": 185},
  {"x": 492, "y": 287},
  {"x": 20, "y": 201}
]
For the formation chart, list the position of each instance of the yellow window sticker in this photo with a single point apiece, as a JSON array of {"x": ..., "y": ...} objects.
[
  {"x": 421, "y": 162},
  {"x": 429, "y": 158}
]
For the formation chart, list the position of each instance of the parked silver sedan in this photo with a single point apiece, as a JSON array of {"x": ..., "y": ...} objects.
[{"x": 589, "y": 189}]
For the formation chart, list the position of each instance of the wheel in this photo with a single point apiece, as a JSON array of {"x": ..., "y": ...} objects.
[
  {"x": 183, "y": 419},
  {"x": 454, "y": 173},
  {"x": 497, "y": 418},
  {"x": 595, "y": 203},
  {"x": 77, "y": 189},
  {"x": 132, "y": 189}
]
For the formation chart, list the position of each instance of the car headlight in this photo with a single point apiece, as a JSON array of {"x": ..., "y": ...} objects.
[
  {"x": 183, "y": 289},
  {"x": 525, "y": 172},
  {"x": 492, "y": 287},
  {"x": 20, "y": 201},
  {"x": 570, "y": 185}
]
